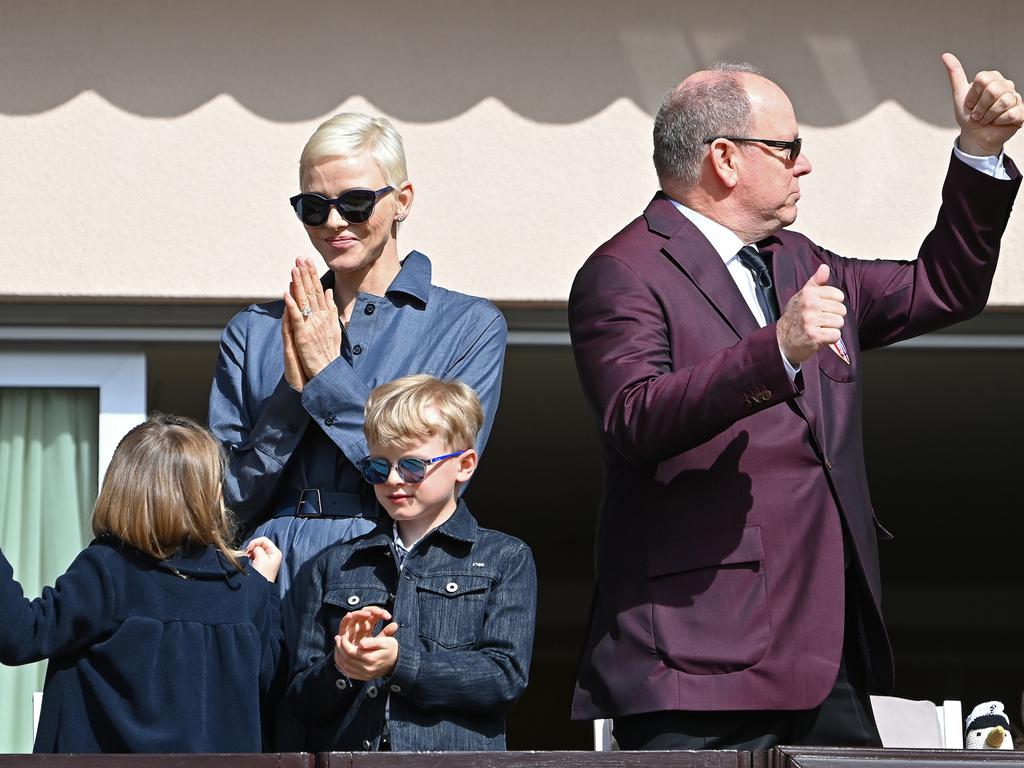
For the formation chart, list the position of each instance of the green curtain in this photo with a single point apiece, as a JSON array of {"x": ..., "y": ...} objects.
[{"x": 48, "y": 466}]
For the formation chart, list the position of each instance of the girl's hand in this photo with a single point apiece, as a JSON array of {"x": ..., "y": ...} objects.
[{"x": 265, "y": 556}]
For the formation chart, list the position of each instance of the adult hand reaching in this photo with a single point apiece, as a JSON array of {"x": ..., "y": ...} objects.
[
  {"x": 812, "y": 319},
  {"x": 988, "y": 110}
]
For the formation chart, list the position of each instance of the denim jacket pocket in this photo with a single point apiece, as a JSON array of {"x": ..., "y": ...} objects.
[
  {"x": 451, "y": 608},
  {"x": 354, "y": 597}
]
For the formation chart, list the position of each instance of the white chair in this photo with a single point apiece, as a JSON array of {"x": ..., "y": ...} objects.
[
  {"x": 603, "y": 740},
  {"x": 918, "y": 724},
  {"x": 37, "y": 705}
]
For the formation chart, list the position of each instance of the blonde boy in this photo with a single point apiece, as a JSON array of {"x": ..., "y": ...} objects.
[{"x": 457, "y": 602}]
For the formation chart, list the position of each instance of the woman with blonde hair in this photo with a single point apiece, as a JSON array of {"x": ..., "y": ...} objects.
[
  {"x": 160, "y": 638},
  {"x": 293, "y": 375}
]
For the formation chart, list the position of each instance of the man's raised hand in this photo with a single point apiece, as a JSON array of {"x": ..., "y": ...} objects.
[{"x": 988, "y": 110}]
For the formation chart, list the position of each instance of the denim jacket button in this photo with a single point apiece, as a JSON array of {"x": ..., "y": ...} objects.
[
  {"x": 451, "y": 587},
  {"x": 353, "y": 600},
  {"x": 396, "y": 689},
  {"x": 372, "y": 692},
  {"x": 340, "y": 684}
]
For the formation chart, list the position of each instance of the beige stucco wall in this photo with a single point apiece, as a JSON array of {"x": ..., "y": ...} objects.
[{"x": 149, "y": 148}]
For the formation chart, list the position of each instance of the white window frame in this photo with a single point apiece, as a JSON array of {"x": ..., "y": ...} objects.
[{"x": 120, "y": 378}]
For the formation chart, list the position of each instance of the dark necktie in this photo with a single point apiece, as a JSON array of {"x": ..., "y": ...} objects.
[{"x": 752, "y": 260}]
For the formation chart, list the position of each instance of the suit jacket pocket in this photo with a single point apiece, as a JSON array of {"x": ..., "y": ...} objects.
[
  {"x": 709, "y": 601},
  {"x": 834, "y": 366},
  {"x": 451, "y": 608}
]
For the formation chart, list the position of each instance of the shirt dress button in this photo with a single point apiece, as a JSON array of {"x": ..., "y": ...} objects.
[
  {"x": 329, "y": 421},
  {"x": 357, "y": 349},
  {"x": 370, "y": 309}
]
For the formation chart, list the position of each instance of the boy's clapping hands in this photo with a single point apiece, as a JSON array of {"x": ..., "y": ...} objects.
[{"x": 359, "y": 653}]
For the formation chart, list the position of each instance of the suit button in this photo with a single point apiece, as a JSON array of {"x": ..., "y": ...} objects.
[
  {"x": 357, "y": 349},
  {"x": 329, "y": 421}
]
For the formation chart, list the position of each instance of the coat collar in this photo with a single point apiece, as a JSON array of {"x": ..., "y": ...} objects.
[
  {"x": 412, "y": 280},
  {"x": 200, "y": 562},
  {"x": 694, "y": 255},
  {"x": 461, "y": 526}
]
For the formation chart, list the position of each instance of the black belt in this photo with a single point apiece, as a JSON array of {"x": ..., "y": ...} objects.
[{"x": 316, "y": 503}]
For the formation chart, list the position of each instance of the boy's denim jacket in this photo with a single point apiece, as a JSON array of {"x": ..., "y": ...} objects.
[{"x": 465, "y": 598}]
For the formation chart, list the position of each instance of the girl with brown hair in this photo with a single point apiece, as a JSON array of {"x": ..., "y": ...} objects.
[{"x": 160, "y": 638}]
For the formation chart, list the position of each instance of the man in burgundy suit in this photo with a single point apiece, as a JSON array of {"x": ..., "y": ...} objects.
[{"x": 737, "y": 602}]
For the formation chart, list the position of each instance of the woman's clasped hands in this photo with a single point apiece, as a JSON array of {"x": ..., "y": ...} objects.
[
  {"x": 360, "y": 654},
  {"x": 310, "y": 328}
]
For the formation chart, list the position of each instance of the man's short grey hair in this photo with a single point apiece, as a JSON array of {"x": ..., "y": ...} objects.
[{"x": 714, "y": 106}]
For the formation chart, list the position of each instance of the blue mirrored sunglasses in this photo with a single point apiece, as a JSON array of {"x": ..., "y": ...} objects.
[{"x": 376, "y": 469}]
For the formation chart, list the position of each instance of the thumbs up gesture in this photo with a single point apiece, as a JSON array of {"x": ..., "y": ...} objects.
[
  {"x": 988, "y": 110},
  {"x": 812, "y": 318}
]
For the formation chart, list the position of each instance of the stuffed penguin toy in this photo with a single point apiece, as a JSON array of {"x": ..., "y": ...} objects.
[{"x": 988, "y": 727}]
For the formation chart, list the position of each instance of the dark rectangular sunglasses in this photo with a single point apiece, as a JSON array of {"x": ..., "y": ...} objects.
[
  {"x": 376, "y": 469},
  {"x": 354, "y": 205},
  {"x": 793, "y": 146}
]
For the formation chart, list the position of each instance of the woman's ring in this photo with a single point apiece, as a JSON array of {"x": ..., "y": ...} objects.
[{"x": 306, "y": 312}]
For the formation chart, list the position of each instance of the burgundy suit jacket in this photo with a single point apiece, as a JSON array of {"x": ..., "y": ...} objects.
[{"x": 720, "y": 556}]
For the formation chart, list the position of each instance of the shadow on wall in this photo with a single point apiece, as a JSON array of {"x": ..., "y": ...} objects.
[{"x": 556, "y": 61}]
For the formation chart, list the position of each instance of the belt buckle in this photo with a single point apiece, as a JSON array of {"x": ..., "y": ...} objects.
[{"x": 305, "y": 507}]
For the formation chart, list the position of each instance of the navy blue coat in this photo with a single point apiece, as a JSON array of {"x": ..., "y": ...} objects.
[{"x": 146, "y": 655}]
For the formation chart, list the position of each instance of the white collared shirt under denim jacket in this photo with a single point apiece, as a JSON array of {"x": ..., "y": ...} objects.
[{"x": 465, "y": 598}]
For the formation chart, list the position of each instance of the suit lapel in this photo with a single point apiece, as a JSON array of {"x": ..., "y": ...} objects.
[
  {"x": 786, "y": 285},
  {"x": 693, "y": 254}
]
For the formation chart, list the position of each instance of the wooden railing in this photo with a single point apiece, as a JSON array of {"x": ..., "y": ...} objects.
[
  {"x": 821, "y": 757},
  {"x": 780, "y": 757}
]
